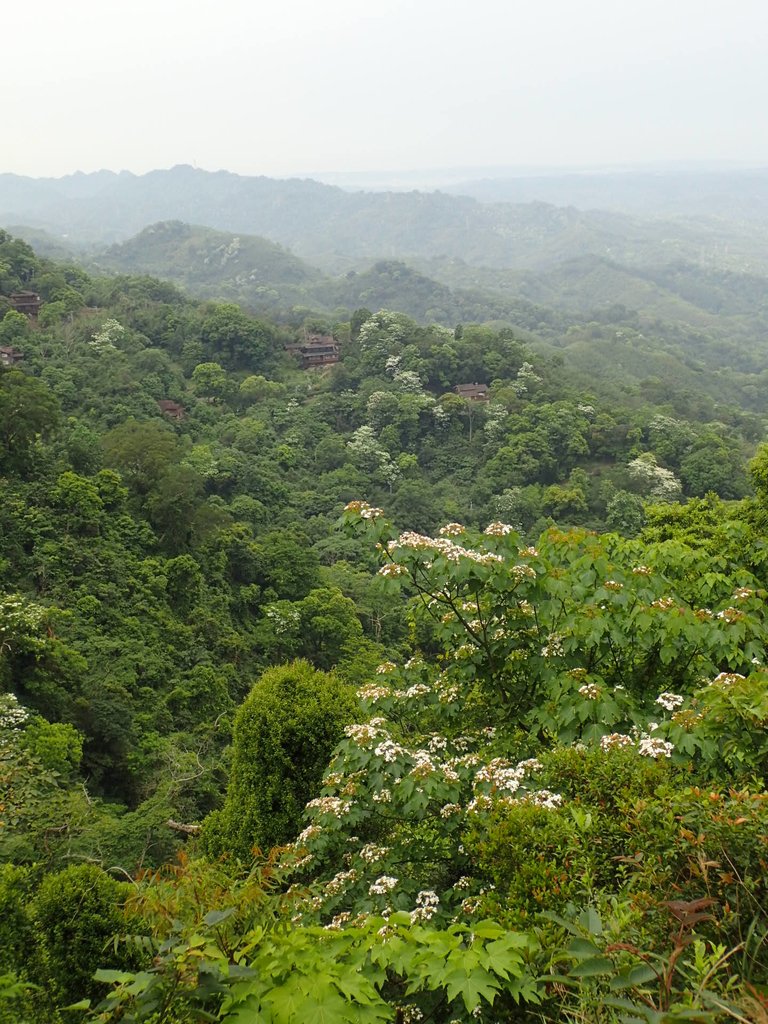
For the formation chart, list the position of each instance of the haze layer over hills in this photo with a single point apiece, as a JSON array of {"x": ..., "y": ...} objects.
[
  {"x": 334, "y": 228},
  {"x": 668, "y": 294}
]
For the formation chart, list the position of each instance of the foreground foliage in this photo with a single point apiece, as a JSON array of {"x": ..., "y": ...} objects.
[{"x": 545, "y": 799}]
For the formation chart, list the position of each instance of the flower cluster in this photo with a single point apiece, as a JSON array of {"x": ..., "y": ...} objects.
[
  {"x": 410, "y": 1014},
  {"x": 650, "y": 746},
  {"x": 553, "y": 647},
  {"x": 427, "y": 903},
  {"x": 371, "y": 853},
  {"x": 417, "y": 690},
  {"x": 615, "y": 739},
  {"x": 730, "y": 615},
  {"x": 12, "y": 714},
  {"x": 364, "y": 510},
  {"x": 339, "y": 921},
  {"x": 382, "y": 885},
  {"x": 687, "y": 719},
  {"x": 389, "y": 751},
  {"x": 340, "y": 881},
  {"x": 365, "y": 733},
  {"x": 371, "y": 692},
  {"x": 590, "y": 690},
  {"x": 452, "y": 530},
  {"x": 310, "y": 832},
  {"x": 442, "y": 546},
  {"x": 284, "y": 618},
  {"x": 393, "y": 569},
  {"x": 330, "y": 805},
  {"x": 727, "y": 679},
  {"x": 670, "y": 701},
  {"x": 449, "y": 810},
  {"x": 544, "y": 798},
  {"x": 497, "y": 529}
]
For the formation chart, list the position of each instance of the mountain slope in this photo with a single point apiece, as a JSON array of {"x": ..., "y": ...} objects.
[
  {"x": 338, "y": 229},
  {"x": 213, "y": 263}
]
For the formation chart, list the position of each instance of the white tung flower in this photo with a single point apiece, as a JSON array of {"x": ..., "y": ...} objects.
[
  {"x": 363, "y": 733},
  {"x": 497, "y": 529},
  {"x": 330, "y": 805},
  {"x": 372, "y": 692},
  {"x": 590, "y": 690},
  {"x": 670, "y": 701},
  {"x": 448, "y": 810},
  {"x": 650, "y": 746},
  {"x": 340, "y": 881},
  {"x": 452, "y": 530},
  {"x": 553, "y": 647},
  {"x": 544, "y": 798},
  {"x": 393, "y": 569},
  {"x": 382, "y": 885},
  {"x": 371, "y": 853},
  {"x": 615, "y": 739},
  {"x": 427, "y": 903},
  {"x": 389, "y": 751},
  {"x": 12, "y": 714},
  {"x": 727, "y": 679}
]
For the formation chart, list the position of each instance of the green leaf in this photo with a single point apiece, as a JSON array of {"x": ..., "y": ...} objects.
[
  {"x": 582, "y": 948},
  {"x": 638, "y": 974},
  {"x": 591, "y": 968},
  {"x": 488, "y": 930},
  {"x": 590, "y": 920},
  {"x": 471, "y": 987},
  {"x": 110, "y": 977},
  {"x": 667, "y": 654},
  {"x": 214, "y": 917}
]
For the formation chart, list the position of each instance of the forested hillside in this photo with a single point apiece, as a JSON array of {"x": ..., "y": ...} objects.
[
  {"x": 336, "y": 229},
  {"x": 424, "y": 684}
]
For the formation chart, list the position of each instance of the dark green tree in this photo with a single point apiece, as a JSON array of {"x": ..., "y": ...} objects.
[
  {"x": 283, "y": 737},
  {"x": 28, "y": 409}
]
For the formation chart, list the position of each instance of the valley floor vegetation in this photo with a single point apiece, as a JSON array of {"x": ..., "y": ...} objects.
[{"x": 333, "y": 695}]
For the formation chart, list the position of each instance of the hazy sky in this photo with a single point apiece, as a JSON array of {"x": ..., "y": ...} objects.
[{"x": 292, "y": 86}]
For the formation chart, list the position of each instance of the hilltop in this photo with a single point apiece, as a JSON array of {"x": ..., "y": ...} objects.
[{"x": 336, "y": 229}]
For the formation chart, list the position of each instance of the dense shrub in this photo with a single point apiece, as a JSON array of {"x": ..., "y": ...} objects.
[
  {"x": 283, "y": 737},
  {"x": 77, "y": 914}
]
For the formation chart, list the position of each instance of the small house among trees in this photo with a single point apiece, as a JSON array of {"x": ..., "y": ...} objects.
[
  {"x": 472, "y": 392},
  {"x": 26, "y": 302},
  {"x": 10, "y": 356},
  {"x": 171, "y": 409},
  {"x": 315, "y": 350}
]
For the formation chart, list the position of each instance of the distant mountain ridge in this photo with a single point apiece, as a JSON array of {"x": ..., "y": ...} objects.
[
  {"x": 339, "y": 230},
  {"x": 736, "y": 194}
]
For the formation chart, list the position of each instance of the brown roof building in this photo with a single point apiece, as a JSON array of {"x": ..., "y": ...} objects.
[
  {"x": 26, "y": 302},
  {"x": 10, "y": 356},
  {"x": 172, "y": 410},
  {"x": 472, "y": 392},
  {"x": 316, "y": 350}
]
